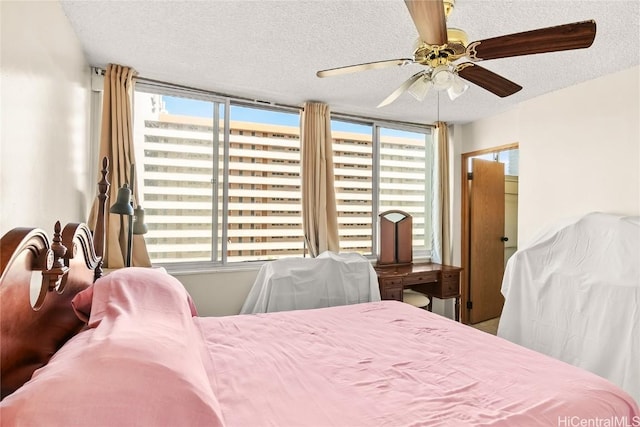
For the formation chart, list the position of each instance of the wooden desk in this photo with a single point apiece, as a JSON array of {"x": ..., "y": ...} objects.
[{"x": 433, "y": 280}]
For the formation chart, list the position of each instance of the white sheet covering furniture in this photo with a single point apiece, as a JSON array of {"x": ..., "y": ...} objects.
[
  {"x": 574, "y": 293},
  {"x": 328, "y": 280}
]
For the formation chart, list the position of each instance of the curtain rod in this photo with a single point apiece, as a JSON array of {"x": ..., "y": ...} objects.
[
  {"x": 259, "y": 102},
  {"x": 102, "y": 71}
]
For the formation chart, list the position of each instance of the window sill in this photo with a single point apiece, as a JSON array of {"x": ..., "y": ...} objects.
[
  {"x": 183, "y": 270},
  {"x": 204, "y": 268}
]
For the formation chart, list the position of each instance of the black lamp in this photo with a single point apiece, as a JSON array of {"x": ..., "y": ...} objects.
[
  {"x": 139, "y": 227},
  {"x": 124, "y": 206}
]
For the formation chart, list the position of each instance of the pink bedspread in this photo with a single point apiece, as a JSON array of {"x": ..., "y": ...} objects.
[
  {"x": 146, "y": 361},
  {"x": 391, "y": 364}
]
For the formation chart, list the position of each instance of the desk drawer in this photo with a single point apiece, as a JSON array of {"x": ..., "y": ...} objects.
[
  {"x": 395, "y": 282},
  {"x": 391, "y": 288},
  {"x": 451, "y": 286},
  {"x": 450, "y": 276},
  {"x": 419, "y": 278},
  {"x": 388, "y": 293}
]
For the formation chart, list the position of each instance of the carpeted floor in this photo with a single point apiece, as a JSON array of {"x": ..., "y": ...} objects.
[{"x": 490, "y": 326}]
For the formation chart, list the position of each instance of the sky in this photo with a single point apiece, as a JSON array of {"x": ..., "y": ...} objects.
[{"x": 198, "y": 108}]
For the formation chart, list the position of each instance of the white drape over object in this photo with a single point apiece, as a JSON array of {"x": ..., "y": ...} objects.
[
  {"x": 330, "y": 279},
  {"x": 574, "y": 294}
]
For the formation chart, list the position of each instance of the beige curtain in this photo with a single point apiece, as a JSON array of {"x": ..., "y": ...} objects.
[
  {"x": 116, "y": 143},
  {"x": 444, "y": 199},
  {"x": 319, "y": 213}
]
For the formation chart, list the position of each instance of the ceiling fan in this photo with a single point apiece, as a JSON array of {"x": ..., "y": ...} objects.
[{"x": 440, "y": 48}]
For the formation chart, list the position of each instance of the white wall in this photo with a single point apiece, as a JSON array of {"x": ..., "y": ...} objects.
[
  {"x": 219, "y": 293},
  {"x": 579, "y": 150},
  {"x": 44, "y": 87}
]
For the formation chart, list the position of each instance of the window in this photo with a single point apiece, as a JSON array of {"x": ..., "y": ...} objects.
[
  {"x": 406, "y": 178},
  {"x": 177, "y": 146},
  {"x": 272, "y": 133},
  {"x": 353, "y": 170},
  {"x": 220, "y": 181},
  {"x": 402, "y": 179}
]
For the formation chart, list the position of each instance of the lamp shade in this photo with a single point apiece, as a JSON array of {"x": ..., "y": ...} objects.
[
  {"x": 457, "y": 88},
  {"x": 122, "y": 205},
  {"x": 442, "y": 77},
  {"x": 139, "y": 227},
  {"x": 420, "y": 87}
]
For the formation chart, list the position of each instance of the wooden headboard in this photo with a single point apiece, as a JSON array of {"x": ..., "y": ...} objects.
[{"x": 39, "y": 277}]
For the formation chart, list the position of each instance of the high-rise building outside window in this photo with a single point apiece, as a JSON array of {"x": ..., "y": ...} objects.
[{"x": 220, "y": 181}]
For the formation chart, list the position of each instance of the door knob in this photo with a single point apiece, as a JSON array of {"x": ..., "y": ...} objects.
[{"x": 504, "y": 239}]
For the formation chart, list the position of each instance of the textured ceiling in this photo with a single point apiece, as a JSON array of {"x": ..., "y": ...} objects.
[{"x": 270, "y": 50}]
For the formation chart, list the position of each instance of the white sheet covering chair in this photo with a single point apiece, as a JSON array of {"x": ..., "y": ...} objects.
[
  {"x": 573, "y": 293},
  {"x": 330, "y": 279}
]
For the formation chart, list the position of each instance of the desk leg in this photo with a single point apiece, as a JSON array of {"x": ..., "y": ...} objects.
[
  {"x": 430, "y": 305},
  {"x": 457, "y": 309}
]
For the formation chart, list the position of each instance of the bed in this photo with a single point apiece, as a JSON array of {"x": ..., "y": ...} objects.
[
  {"x": 133, "y": 351},
  {"x": 573, "y": 293}
]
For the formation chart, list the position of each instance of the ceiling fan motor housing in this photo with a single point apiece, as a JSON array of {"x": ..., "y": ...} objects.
[{"x": 448, "y": 7}]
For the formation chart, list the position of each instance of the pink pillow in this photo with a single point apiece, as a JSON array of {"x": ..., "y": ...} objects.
[
  {"x": 135, "y": 291},
  {"x": 81, "y": 304},
  {"x": 142, "y": 361}
]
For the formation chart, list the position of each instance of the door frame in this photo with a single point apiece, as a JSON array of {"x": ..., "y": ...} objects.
[{"x": 465, "y": 235}]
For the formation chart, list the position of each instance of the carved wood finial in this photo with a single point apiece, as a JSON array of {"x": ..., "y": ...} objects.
[
  {"x": 100, "y": 229},
  {"x": 103, "y": 184},
  {"x": 52, "y": 278},
  {"x": 59, "y": 250}
]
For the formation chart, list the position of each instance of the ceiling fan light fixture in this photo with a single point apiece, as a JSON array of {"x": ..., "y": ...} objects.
[
  {"x": 442, "y": 77},
  {"x": 420, "y": 87},
  {"x": 457, "y": 88}
]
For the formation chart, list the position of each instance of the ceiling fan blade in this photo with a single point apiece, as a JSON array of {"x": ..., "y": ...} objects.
[
  {"x": 487, "y": 79},
  {"x": 361, "y": 67},
  {"x": 403, "y": 87},
  {"x": 429, "y": 19},
  {"x": 578, "y": 35}
]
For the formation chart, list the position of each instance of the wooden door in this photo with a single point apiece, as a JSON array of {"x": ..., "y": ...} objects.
[{"x": 486, "y": 249}]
